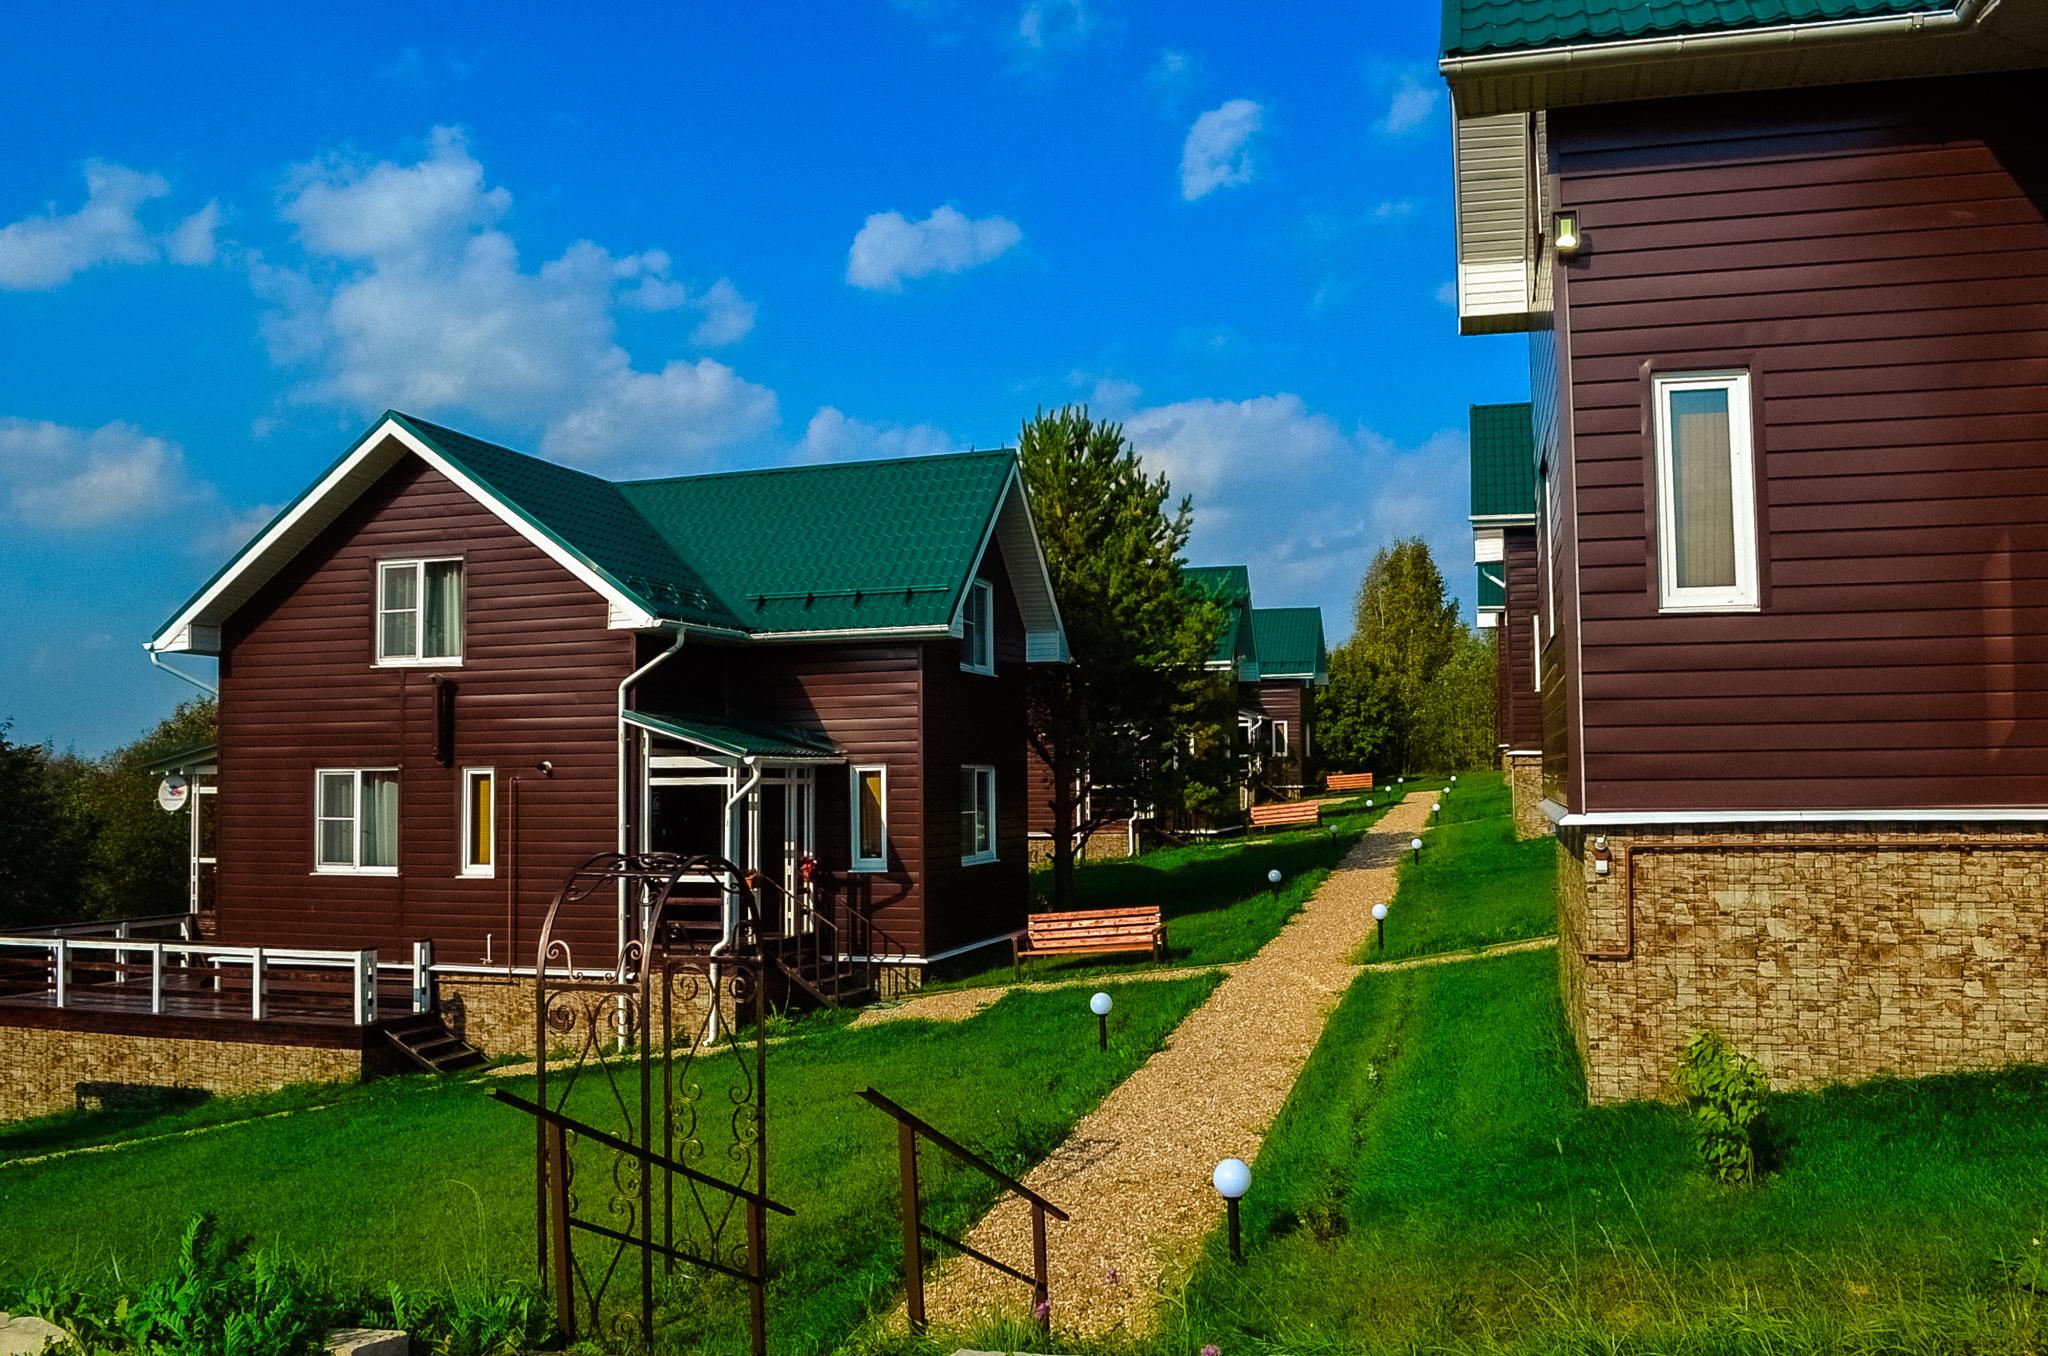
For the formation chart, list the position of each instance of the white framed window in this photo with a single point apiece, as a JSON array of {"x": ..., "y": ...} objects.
[
  {"x": 479, "y": 822},
  {"x": 419, "y": 611},
  {"x": 1706, "y": 492},
  {"x": 977, "y": 814},
  {"x": 870, "y": 785},
  {"x": 978, "y": 628},
  {"x": 1280, "y": 739},
  {"x": 355, "y": 820}
]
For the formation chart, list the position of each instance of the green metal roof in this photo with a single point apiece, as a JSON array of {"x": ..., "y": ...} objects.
[
  {"x": 1288, "y": 643},
  {"x": 739, "y": 740},
  {"x": 1475, "y": 26},
  {"x": 1231, "y": 586},
  {"x": 1503, "y": 461},
  {"x": 177, "y": 760},
  {"x": 1493, "y": 589},
  {"x": 851, "y": 546}
]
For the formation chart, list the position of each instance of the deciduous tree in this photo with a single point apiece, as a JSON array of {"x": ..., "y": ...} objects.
[{"x": 1406, "y": 630}]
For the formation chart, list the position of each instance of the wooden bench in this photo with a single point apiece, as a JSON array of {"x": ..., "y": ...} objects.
[
  {"x": 1082, "y": 932},
  {"x": 1287, "y": 814},
  {"x": 1349, "y": 781}
]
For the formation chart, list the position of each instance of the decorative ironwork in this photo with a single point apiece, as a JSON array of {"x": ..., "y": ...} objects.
[{"x": 651, "y": 1097}]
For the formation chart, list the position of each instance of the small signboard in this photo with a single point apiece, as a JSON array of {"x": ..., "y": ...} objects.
[{"x": 173, "y": 793}]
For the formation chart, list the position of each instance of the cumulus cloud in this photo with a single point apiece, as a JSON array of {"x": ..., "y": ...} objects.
[
  {"x": 1044, "y": 25},
  {"x": 891, "y": 248},
  {"x": 1409, "y": 106},
  {"x": 1217, "y": 152},
  {"x": 42, "y": 252},
  {"x": 412, "y": 294},
  {"x": 833, "y": 436},
  {"x": 1253, "y": 464},
  {"x": 54, "y": 477}
]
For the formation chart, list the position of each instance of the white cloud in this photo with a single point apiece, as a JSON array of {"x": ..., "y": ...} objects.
[
  {"x": 833, "y": 436},
  {"x": 1447, "y": 293},
  {"x": 192, "y": 240},
  {"x": 890, "y": 248},
  {"x": 1043, "y": 25},
  {"x": 54, "y": 477},
  {"x": 42, "y": 252},
  {"x": 1259, "y": 472},
  {"x": 1410, "y": 106},
  {"x": 411, "y": 295},
  {"x": 1217, "y": 153},
  {"x": 1172, "y": 77}
]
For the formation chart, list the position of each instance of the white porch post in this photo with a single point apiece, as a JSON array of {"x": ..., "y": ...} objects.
[
  {"x": 60, "y": 955},
  {"x": 365, "y": 1006},
  {"x": 156, "y": 978},
  {"x": 422, "y": 976},
  {"x": 256, "y": 984}
]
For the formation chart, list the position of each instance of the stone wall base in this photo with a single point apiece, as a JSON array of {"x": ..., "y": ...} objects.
[
  {"x": 1111, "y": 840},
  {"x": 1525, "y": 788},
  {"x": 47, "y": 1069},
  {"x": 1827, "y": 952}
]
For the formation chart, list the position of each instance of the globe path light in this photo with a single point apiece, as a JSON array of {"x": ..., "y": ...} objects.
[
  {"x": 1415, "y": 846},
  {"x": 1379, "y": 922},
  {"x": 1273, "y": 879},
  {"x": 1231, "y": 1180},
  {"x": 1100, "y": 1005}
]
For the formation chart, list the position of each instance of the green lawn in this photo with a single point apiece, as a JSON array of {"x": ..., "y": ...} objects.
[
  {"x": 1474, "y": 884},
  {"x": 429, "y": 1184}
]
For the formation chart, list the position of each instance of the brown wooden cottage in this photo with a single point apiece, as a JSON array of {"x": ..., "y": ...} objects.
[
  {"x": 1784, "y": 272},
  {"x": 1504, "y": 551},
  {"x": 450, "y": 673}
]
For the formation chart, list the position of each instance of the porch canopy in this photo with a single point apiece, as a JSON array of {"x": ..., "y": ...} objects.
[{"x": 730, "y": 743}]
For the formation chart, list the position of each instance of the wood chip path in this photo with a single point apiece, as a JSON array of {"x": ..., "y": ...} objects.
[
  {"x": 957, "y": 1005},
  {"x": 1135, "y": 1173}
]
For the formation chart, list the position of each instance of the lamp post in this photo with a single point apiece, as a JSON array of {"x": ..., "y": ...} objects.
[
  {"x": 1273, "y": 879},
  {"x": 1379, "y": 922},
  {"x": 1415, "y": 846},
  {"x": 1100, "y": 1006},
  {"x": 1436, "y": 807},
  {"x": 1232, "y": 1179}
]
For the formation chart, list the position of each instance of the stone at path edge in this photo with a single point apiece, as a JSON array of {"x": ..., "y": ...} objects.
[{"x": 26, "y": 1336}]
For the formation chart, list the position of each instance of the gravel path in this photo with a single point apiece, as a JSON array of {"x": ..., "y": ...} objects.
[
  {"x": 955, "y": 1005},
  {"x": 1135, "y": 1173}
]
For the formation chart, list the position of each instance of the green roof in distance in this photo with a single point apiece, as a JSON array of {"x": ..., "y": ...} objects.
[
  {"x": 1503, "y": 461},
  {"x": 1288, "y": 643},
  {"x": 1230, "y": 586}
]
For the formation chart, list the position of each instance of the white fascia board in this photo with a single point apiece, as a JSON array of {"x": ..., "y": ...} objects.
[
  {"x": 1660, "y": 818},
  {"x": 1045, "y": 642},
  {"x": 1502, "y": 520},
  {"x": 931, "y": 631},
  {"x": 196, "y": 629}
]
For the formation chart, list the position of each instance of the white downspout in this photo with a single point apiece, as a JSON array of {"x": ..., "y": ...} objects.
[
  {"x": 625, "y": 760},
  {"x": 208, "y": 688},
  {"x": 724, "y": 942}
]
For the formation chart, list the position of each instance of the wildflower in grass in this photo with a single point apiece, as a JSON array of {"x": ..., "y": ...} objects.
[
  {"x": 1042, "y": 1310},
  {"x": 1211, "y": 1349}
]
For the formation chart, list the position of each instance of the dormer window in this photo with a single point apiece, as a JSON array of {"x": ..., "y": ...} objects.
[
  {"x": 978, "y": 628},
  {"x": 419, "y": 612}
]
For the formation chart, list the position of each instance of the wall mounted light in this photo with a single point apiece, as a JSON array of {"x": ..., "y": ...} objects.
[
  {"x": 1564, "y": 234},
  {"x": 1601, "y": 856}
]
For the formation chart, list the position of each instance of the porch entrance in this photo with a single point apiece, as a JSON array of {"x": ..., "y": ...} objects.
[{"x": 764, "y": 819}]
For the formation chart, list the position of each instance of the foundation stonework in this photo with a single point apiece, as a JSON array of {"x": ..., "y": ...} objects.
[
  {"x": 1828, "y": 952},
  {"x": 50, "y": 1069},
  {"x": 1525, "y": 788},
  {"x": 495, "y": 1014}
]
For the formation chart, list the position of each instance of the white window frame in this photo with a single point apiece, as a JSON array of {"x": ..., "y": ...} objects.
[
  {"x": 979, "y": 604},
  {"x": 853, "y": 776},
  {"x": 419, "y": 659},
  {"x": 1281, "y": 746},
  {"x": 984, "y": 780},
  {"x": 354, "y": 866},
  {"x": 465, "y": 864},
  {"x": 1742, "y": 595}
]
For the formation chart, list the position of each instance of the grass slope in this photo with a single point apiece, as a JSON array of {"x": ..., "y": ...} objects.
[{"x": 429, "y": 1184}]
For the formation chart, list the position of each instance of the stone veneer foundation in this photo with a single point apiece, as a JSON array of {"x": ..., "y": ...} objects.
[
  {"x": 1525, "y": 789},
  {"x": 51, "y": 1068},
  {"x": 1827, "y": 951}
]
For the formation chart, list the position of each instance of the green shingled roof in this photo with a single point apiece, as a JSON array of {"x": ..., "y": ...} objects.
[
  {"x": 1493, "y": 589},
  {"x": 735, "y": 739},
  {"x": 1288, "y": 643},
  {"x": 1474, "y": 26},
  {"x": 1231, "y": 586},
  {"x": 1503, "y": 461}
]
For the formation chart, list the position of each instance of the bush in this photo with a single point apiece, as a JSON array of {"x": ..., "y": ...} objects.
[{"x": 1726, "y": 1089}]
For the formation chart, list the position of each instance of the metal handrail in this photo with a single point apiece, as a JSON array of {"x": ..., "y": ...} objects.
[
  {"x": 61, "y": 951},
  {"x": 820, "y": 934},
  {"x": 908, "y": 1127}
]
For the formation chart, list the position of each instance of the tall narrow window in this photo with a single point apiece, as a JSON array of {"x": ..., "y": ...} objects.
[
  {"x": 479, "y": 821},
  {"x": 419, "y": 612},
  {"x": 355, "y": 820},
  {"x": 1706, "y": 494},
  {"x": 870, "y": 819},
  {"x": 977, "y": 814},
  {"x": 978, "y": 628}
]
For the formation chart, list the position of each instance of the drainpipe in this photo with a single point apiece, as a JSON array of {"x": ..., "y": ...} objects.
[
  {"x": 625, "y": 760},
  {"x": 723, "y": 945},
  {"x": 208, "y": 688}
]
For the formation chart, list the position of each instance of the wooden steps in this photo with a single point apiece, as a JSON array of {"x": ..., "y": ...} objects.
[{"x": 426, "y": 1039}]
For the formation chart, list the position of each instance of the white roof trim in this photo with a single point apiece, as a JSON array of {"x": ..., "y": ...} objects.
[
  {"x": 196, "y": 629},
  {"x": 1045, "y": 634}
]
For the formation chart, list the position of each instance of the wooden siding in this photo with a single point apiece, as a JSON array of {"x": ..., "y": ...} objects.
[
  {"x": 1284, "y": 699},
  {"x": 300, "y": 691},
  {"x": 1556, "y": 601},
  {"x": 1877, "y": 258},
  {"x": 1518, "y": 712}
]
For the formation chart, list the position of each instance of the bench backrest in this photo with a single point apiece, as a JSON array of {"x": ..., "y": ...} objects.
[
  {"x": 1287, "y": 812},
  {"x": 1350, "y": 781},
  {"x": 1088, "y": 927}
]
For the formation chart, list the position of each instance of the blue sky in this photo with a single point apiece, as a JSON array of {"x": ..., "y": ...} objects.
[{"x": 690, "y": 238}]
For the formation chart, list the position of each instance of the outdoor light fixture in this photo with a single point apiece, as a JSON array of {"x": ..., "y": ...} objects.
[
  {"x": 1368, "y": 802},
  {"x": 1436, "y": 807},
  {"x": 1601, "y": 856},
  {"x": 1232, "y": 1179},
  {"x": 1379, "y": 922},
  {"x": 1454, "y": 778},
  {"x": 1564, "y": 234},
  {"x": 1273, "y": 879},
  {"x": 1100, "y": 1006},
  {"x": 1415, "y": 846}
]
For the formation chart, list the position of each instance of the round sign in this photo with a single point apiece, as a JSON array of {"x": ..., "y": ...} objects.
[{"x": 173, "y": 793}]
